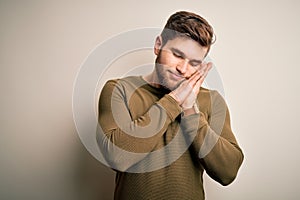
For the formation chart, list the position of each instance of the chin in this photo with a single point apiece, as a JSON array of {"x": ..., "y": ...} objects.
[{"x": 171, "y": 85}]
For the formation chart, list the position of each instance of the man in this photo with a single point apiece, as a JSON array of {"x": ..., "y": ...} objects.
[{"x": 162, "y": 130}]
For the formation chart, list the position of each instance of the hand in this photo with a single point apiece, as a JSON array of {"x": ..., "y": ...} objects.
[
  {"x": 185, "y": 88},
  {"x": 190, "y": 99}
]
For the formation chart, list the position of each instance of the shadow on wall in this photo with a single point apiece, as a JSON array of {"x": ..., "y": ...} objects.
[{"x": 94, "y": 181}]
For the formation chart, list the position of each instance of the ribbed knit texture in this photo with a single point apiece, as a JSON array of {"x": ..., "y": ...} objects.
[{"x": 183, "y": 178}]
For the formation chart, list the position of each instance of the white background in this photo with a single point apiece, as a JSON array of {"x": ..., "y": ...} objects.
[{"x": 43, "y": 44}]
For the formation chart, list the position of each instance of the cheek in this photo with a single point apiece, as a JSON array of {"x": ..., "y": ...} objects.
[
  {"x": 166, "y": 59},
  {"x": 193, "y": 70},
  {"x": 190, "y": 71}
]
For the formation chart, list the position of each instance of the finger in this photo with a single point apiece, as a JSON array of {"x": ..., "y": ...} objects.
[
  {"x": 203, "y": 77},
  {"x": 197, "y": 86},
  {"x": 196, "y": 73},
  {"x": 185, "y": 87},
  {"x": 208, "y": 67},
  {"x": 189, "y": 84},
  {"x": 202, "y": 68},
  {"x": 194, "y": 78}
]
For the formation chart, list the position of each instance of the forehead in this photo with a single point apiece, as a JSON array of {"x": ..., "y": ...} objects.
[{"x": 188, "y": 46}]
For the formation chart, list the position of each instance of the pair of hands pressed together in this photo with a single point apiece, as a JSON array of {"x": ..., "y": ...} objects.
[{"x": 186, "y": 93}]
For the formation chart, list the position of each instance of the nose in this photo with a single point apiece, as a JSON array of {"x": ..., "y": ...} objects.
[{"x": 182, "y": 66}]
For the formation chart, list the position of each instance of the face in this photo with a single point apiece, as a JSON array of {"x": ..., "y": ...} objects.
[{"x": 177, "y": 60}]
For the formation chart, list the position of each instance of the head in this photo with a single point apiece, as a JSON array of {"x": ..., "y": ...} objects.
[
  {"x": 190, "y": 25},
  {"x": 181, "y": 48}
]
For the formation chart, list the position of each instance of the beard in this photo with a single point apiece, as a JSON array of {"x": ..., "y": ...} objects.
[{"x": 162, "y": 73}]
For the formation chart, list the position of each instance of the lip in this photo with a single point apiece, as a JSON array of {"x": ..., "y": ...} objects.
[{"x": 175, "y": 76}]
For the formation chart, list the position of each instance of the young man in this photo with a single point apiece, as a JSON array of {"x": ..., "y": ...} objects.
[{"x": 162, "y": 130}]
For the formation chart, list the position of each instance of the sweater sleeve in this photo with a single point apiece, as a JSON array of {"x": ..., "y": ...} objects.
[
  {"x": 124, "y": 141},
  {"x": 218, "y": 150}
]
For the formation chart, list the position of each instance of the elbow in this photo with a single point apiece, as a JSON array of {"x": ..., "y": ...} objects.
[
  {"x": 111, "y": 156},
  {"x": 229, "y": 171},
  {"x": 118, "y": 166},
  {"x": 115, "y": 159},
  {"x": 230, "y": 175},
  {"x": 227, "y": 179}
]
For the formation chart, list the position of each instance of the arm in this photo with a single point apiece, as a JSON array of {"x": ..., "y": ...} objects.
[
  {"x": 215, "y": 143},
  {"x": 126, "y": 141},
  {"x": 219, "y": 152}
]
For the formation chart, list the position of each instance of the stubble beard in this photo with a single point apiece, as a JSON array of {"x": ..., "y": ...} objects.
[{"x": 162, "y": 75}]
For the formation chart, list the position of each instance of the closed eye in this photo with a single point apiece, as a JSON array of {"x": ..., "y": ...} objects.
[
  {"x": 195, "y": 63},
  {"x": 178, "y": 55}
]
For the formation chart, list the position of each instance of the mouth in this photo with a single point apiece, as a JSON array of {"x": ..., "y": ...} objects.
[{"x": 176, "y": 76}]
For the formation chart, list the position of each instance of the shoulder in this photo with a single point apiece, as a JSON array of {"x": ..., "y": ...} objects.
[
  {"x": 209, "y": 95},
  {"x": 209, "y": 99},
  {"x": 123, "y": 82},
  {"x": 126, "y": 85},
  {"x": 129, "y": 80}
]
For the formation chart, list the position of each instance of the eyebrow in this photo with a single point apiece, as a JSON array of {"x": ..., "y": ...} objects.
[{"x": 183, "y": 55}]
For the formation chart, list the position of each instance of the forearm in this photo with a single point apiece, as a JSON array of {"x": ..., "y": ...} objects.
[
  {"x": 221, "y": 157},
  {"x": 214, "y": 144},
  {"x": 141, "y": 134}
]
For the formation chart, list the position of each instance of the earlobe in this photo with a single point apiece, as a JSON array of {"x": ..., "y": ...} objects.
[{"x": 157, "y": 45}]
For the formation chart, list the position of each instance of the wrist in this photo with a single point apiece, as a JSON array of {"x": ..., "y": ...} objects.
[
  {"x": 192, "y": 110},
  {"x": 174, "y": 96}
]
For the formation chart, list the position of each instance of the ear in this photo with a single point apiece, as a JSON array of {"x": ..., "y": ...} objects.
[{"x": 157, "y": 45}]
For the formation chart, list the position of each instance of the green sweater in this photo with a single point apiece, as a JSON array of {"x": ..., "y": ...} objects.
[{"x": 139, "y": 121}]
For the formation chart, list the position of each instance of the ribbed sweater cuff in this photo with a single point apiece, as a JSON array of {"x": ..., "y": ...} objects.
[{"x": 171, "y": 106}]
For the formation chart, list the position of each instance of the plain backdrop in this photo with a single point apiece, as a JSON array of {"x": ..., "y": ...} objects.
[{"x": 44, "y": 43}]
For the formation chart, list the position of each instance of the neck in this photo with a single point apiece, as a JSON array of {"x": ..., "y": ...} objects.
[{"x": 152, "y": 79}]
